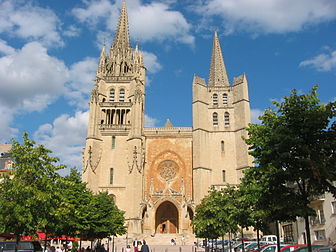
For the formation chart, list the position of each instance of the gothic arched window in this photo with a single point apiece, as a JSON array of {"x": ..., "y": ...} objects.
[
  {"x": 111, "y": 176},
  {"x": 226, "y": 119},
  {"x": 122, "y": 95},
  {"x": 215, "y": 119},
  {"x": 113, "y": 142},
  {"x": 112, "y": 95},
  {"x": 225, "y": 99},
  {"x": 215, "y": 99}
]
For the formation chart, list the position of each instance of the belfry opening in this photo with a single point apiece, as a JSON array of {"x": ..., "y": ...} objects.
[{"x": 166, "y": 218}]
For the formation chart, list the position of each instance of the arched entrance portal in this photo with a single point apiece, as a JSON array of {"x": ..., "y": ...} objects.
[{"x": 166, "y": 218}]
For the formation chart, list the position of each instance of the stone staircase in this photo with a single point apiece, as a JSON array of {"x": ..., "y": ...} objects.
[{"x": 159, "y": 240}]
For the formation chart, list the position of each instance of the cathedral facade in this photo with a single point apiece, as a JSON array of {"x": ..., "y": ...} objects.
[{"x": 158, "y": 175}]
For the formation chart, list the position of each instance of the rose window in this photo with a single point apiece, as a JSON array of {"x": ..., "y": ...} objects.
[{"x": 168, "y": 169}]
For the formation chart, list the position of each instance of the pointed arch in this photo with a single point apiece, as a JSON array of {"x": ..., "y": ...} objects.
[
  {"x": 112, "y": 95},
  {"x": 225, "y": 99},
  {"x": 215, "y": 99},
  {"x": 215, "y": 119},
  {"x": 227, "y": 119},
  {"x": 122, "y": 95},
  {"x": 167, "y": 218}
]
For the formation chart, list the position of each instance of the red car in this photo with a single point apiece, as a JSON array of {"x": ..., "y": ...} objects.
[{"x": 290, "y": 248}]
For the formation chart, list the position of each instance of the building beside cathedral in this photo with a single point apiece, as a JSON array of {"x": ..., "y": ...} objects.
[{"x": 158, "y": 175}]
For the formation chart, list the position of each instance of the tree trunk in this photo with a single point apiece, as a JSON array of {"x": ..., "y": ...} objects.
[
  {"x": 17, "y": 240},
  {"x": 278, "y": 235},
  {"x": 258, "y": 240},
  {"x": 308, "y": 233},
  {"x": 230, "y": 245},
  {"x": 242, "y": 233},
  {"x": 45, "y": 243},
  {"x": 223, "y": 243}
]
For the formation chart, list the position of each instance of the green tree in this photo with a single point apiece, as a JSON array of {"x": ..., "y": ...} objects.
[
  {"x": 214, "y": 216},
  {"x": 107, "y": 219},
  {"x": 294, "y": 148},
  {"x": 29, "y": 196},
  {"x": 77, "y": 209}
]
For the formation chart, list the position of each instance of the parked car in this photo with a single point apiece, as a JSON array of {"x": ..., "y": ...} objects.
[
  {"x": 272, "y": 248},
  {"x": 269, "y": 238},
  {"x": 254, "y": 246},
  {"x": 315, "y": 248},
  {"x": 290, "y": 248},
  {"x": 23, "y": 246}
]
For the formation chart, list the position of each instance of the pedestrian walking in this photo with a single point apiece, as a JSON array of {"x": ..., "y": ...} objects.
[
  {"x": 144, "y": 247},
  {"x": 139, "y": 246}
]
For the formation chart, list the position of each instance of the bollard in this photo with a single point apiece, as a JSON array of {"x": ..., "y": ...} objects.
[{"x": 180, "y": 249}]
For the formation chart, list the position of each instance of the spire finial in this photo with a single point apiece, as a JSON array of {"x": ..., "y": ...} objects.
[
  {"x": 121, "y": 39},
  {"x": 218, "y": 75}
]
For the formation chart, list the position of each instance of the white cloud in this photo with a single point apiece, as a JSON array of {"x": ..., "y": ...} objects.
[
  {"x": 81, "y": 81},
  {"x": 150, "y": 121},
  {"x": 30, "y": 79},
  {"x": 5, "y": 48},
  {"x": 72, "y": 31},
  {"x": 323, "y": 62},
  {"x": 161, "y": 23},
  {"x": 255, "y": 113},
  {"x": 65, "y": 137},
  {"x": 271, "y": 16},
  {"x": 6, "y": 132},
  {"x": 151, "y": 62},
  {"x": 26, "y": 21}
]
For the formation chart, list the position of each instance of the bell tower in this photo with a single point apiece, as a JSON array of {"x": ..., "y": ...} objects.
[
  {"x": 221, "y": 114},
  {"x": 114, "y": 152}
]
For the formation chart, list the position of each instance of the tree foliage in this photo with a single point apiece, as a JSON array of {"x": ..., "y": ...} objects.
[
  {"x": 35, "y": 197},
  {"x": 294, "y": 153},
  {"x": 29, "y": 196},
  {"x": 215, "y": 215}
]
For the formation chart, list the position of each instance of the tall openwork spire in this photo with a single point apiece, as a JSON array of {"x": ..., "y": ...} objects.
[
  {"x": 121, "y": 39},
  {"x": 218, "y": 76}
]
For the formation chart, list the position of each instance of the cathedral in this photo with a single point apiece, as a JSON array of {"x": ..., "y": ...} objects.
[{"x": 158, "y": 175}]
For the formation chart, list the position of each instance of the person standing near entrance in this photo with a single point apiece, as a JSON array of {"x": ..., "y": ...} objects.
[{"x": 144, "y": 247}]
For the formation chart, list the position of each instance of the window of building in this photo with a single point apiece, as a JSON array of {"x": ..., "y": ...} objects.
[
  {"x": 215, "y": 99},
  {"x": 320, "y": 214},
  {"x": 9, "y": 165},
  {"x": 113, "y": 197},
  {"x": 288, "y": 233},
  {"x": 225, "y": 99},
  {"x": 111, "y": 176},
  {"x": 333, "y": 207},
  {"x": 226, "y": 119},
  {"x": 222, "y": 146},
  {"x": 122, "y": 95},
  {"x": 215, "y": 119},
  {"x": 113, "y": 142},
  {"x": 319, "y": 235},
  {"x": 223, "y": 175},
  {"x": 112, "y": 95}
]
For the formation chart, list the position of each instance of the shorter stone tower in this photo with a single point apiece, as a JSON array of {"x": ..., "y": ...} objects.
[{"x": 221, "y": 114}]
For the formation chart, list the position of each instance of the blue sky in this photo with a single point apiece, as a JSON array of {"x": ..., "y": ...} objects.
[{"x": 49, "y": 51}]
